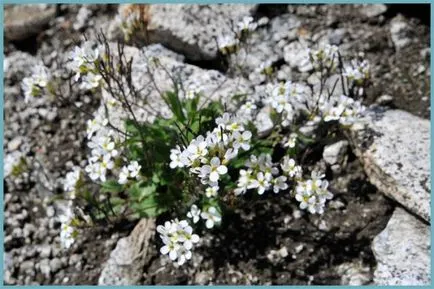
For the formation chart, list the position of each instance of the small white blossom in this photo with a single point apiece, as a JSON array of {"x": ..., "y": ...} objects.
[
  {"x": 213, "y": 170},
  {"x": 134, "y": 169},
  {"x": 290, "y": 168},
  {"x": 291, "y": 141},
  {"x": 90, "y": 81},
  {"x": 211, "y": 192},
  {"x": 194, "y": 213},
  {"x": 247, "y": 24},
  {"x": 262, "y": 182},
  {"x": 279, "y": 184},
  {"x": 95, "y": 125},
  {"x": 71, "y": 180},
  {"x": 227, "y": 44},
  {"x": 212, "y": 216}
]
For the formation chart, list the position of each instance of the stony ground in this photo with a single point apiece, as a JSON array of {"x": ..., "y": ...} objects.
[{"x": 270, "y": 241}]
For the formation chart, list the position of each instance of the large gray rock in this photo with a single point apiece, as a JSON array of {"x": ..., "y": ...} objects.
[
  {"x": 125, "y": 265},
  {"x": 400, "y": 32},
  {"x": 394, "y": 147},
  {"x": 185, "y": 28},
  {"x": 402, "y": 251},
  {"x": 23, "y": 21}
]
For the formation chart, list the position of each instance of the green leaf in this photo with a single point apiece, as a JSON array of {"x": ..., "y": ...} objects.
[
  {"x": 138, "y": 192},
  {"x": 175, "y": 105},
  {"x": 111, "y": 186}
]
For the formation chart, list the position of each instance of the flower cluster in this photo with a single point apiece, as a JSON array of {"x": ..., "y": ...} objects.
[
  {"x": 211, "y": 216},
  {"x": 358, "y": 71},
  {"x": 346, "y": 110},
  {"x": 281, "y": 98},
  {"x": 208, "y": 156},
  {"x": 178, "y": 240},
  {"x": 68, "y": 232},
  {"x": 82, "y": 63},
  {"x": 103, "y": 151},
  {"x": 324, "y": 58},
  {"x": 229, "y": 44},
  {"x": 34, "y": 84},
  {"x": 260, "y": 175},
  {"x": 312, "y": 194},
  {"x": 130, "y": 171}
]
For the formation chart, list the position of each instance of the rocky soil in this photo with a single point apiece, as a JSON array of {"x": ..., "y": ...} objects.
[{"x": 380, "y": 176}]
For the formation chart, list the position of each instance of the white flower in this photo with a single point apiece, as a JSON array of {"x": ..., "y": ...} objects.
[
  {"x": 178, "y": 239},
  {"x": 123, "y": 175},
  {"x": 71, "y": 180},
  {"x": 175, "y": 157},
  {"x": 244, "y": 181},
  {"x": 211, "y": 192},
  {"x": 95, "y": 125},
  {"x": 198, "y": 149},
  {"x": 212, "y": 216},
  {"x": 291, "y": 140},
  {"x": 247, "y": 24},
  {"x": 313, "y": 194},
  {"x": 242, "y": 140},
  {"x": 325, "y": 57},
  {"x": 67, "y": 232},
  {"x": 214, "y": 170},
  {"x": 103, "y": 145},
  {"x": 40, "y": 75},
  {"x": 194, "y": 214},
  {"x": 66, "y": 235},
  {"x": 290, "y": 168},
  {"x": 227, "y": 44},
  {"x": 279, "y": 184},
  {"x": 98, "y": 169},
  {"x": 90, "y": 81},
  {"x": 83, "y": 56},
  {"x": 261, "y": 182},
  {"x": 248, "y": 107},
  {"x": 32, "y": 86},
  {"x": 134, "y": 169}
]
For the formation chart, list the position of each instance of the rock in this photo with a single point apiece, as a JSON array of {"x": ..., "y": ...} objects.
[
  {"x": 296, "y": 55},
  {"x": 45, "y": 251},
  {"x": 27, "y": 266},
  {"x": 82, "y": 17},
  {"x": 354, "y": 273},
  {"x": 23, "y": 21},
  {"x": 400, "y": 32},
  {"x": 125, "y": 265},
  {"x": 14, "y": 144},
  {"x": 44, "y": 267},
  {"x": 185, "y": 28},
  {"x": 266, "y": 46},
  {"x": 335, "y": 153},
  {"x": 18, "y": 65},
  {"x": 385, "y": 99},
  {"x": 373, "y": 10},
  {"x": 55, "y": 265},
  {"x": 394, "y": 147},
  {"x": 277, "y": 256},
  {"x": 402, "y": 251},
  {"x": 337, "y": 36}
]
